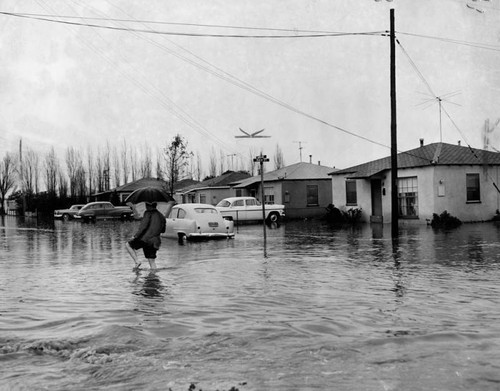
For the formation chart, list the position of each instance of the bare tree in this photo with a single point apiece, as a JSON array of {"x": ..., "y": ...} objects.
[
  {"x": 73, "y": 164},
  {"x": 62, "y": 185},
  {"x": 251, "y": 164},
  {"x": 31, "y": 171},
  {"x": 279, "y": 161},
  {"x": 221, "y": 162},
  {"x": 90, "y": 169},
  {"x": 134, "y": 165},
  {"x": 125, "y": 162},
  {"x": 146, "y": 165},
  {"x": 212, "y": 168},
  {"x": 159, "y": 169},
  {"x": 197, "y": 170},
  {"x": 7, "y": 178},
  {"x": 116, "y": 167},
  {"x": 177, "y": 158},
  {"x": 51, "y": 171}
]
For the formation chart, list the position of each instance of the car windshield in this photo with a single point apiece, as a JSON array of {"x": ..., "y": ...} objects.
[
  {"x": 205, "y": 210},
  {"x": 224, "y": 203}
]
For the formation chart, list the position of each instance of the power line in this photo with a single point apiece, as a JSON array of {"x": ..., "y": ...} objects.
[
  {"x": 455, "y": 41},
  {"x": 145, "y": 22},
  {"x": 150, "y": 31}
]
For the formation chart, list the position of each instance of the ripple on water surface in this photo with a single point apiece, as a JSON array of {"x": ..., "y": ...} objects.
[{"x": 316, "y": 306}]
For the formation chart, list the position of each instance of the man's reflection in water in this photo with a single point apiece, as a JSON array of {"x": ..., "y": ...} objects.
[{"x": 152, "y": 285}]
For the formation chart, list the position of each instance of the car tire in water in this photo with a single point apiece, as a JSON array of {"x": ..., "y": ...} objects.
[
  {"x": 65, "y": 217},
  {"x": 181, "y": 237},
  {"x": 273, "y": 218}
]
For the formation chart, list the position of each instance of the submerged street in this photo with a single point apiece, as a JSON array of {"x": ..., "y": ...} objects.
[{"x": 316, "y": 308}]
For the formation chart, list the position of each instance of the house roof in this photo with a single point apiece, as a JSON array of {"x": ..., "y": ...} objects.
[
  {"x": 223, "y": 180},
  {"x": 144, "y": 182},
  {"x": 436, "y": 154},
  {"x": 297, "y": 171}
]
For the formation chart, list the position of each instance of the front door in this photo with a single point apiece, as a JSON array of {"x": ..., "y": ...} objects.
[{"x": 376, "y": 185}]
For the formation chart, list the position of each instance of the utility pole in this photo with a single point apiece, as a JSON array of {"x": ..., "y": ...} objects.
[
  {"x": 394, "y": 144},
  {"x": 261, "y": 159}
]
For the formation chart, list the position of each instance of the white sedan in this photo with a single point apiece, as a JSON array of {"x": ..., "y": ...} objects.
[
  {"x": 197, "y": 222},
  {"x": 249, "y": 209}
]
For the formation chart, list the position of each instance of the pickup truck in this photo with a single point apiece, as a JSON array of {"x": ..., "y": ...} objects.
[
  {"x": 103, "y": 210},
  {"x": 249, "y": 209}
]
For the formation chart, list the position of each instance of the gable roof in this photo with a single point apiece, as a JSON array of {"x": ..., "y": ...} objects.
[
  {"x": 223, "y": 180},
  {"x": 143, "y": 182},
  {"x": 297, "y": 171},
  {"x": 436, "y": 154}
]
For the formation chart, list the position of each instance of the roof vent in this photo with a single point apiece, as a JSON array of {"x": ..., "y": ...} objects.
[{"x": 421, "y": 142}]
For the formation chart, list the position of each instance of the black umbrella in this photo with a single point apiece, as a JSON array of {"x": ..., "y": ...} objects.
[{"x": 148, "y": 194}]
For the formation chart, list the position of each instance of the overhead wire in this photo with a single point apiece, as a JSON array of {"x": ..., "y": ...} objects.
[
  {"x": 226, "y": 76},
  {"x": 146, "y": 86},
  {"x": 151, "y": 31},
  {"x": 218, "y": 72},
  {"x": 421, "y": 76}
]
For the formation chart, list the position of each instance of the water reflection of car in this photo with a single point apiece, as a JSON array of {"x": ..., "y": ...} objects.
[
  {"x": 68, "y": 214},
  {"x": 197, "y": 222},
  {"x": 249, "y": 209},
  {"x": 103, "y": 210}
]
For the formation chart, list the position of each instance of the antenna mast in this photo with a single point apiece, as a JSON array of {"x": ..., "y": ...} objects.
[{"x": 300, "y": 148}]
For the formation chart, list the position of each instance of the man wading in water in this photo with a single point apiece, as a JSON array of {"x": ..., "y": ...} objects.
[{"x": 147, "y": 236}]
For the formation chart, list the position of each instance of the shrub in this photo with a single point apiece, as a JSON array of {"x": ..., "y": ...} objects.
[{"x": 445, "y": 220}]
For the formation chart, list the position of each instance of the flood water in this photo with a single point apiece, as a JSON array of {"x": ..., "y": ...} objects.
[{"x": 317, "y": 308}]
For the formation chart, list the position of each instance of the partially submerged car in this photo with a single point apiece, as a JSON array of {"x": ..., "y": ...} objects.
[
  {"x": 68, "y": 214},
  {"x": 197, "y": 222},
  {"x": 103, "y": 210},
  {"x": 249, "y": 209}
]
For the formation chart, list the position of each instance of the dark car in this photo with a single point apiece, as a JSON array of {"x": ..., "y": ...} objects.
[
  {"x": 103, "y": 210},
  {"x": 68, "y": 214}
]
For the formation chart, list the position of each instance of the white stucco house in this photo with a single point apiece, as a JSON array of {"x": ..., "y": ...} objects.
[{"x": 431, "y": 179}]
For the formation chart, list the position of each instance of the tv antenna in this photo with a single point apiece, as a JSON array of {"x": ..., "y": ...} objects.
[
  {"x": 300, "y": 148},
  {"x": 440, "y": 99},
  {"x": 252, "y": 135}
]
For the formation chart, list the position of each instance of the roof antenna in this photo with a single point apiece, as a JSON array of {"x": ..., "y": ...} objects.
[{"x": 445, "y": 97}]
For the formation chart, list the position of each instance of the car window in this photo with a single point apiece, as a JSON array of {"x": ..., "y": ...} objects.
[
  {"x": 173, "y": 214},
  {"x": 205, "y": 210},
  {"x": 181, "y": 214},
  {"x": 224, "y": 204},
  {"x": 238, "y": 203},
  {"x": 251, "y": 202}
]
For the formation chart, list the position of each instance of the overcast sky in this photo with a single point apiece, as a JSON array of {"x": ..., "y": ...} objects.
[{"x": 69, "y": 85}]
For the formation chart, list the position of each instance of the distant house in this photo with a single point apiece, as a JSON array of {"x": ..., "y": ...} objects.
[
  {"x": 210, "y": 191},
  {"x": 431, "y": 179},
  {"x": 304, "y": 188},
  {"x": 120, "y": 193}
]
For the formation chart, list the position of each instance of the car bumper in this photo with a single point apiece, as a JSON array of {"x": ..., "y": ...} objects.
[{"x": 202, "y": 236}]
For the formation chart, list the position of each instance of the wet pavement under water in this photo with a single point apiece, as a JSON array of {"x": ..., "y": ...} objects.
[{"x": 316, "y": 308}]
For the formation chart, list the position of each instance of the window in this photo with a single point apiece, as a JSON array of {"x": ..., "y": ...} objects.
[
  {"x": 351, "y": 194},
  {"x": 312, "y": 195},
  {"x": 473, "y": 194},
  {"x": 408, "y": 197},
  {"x": 269, "y": 195},
  {"x": 238, "y": 192},
  {"x": 181, "y": 214},
  {"x": 203, "y": 198},
  {"x": 238, "y": 203},
  {"x": 251, "y": 202}
]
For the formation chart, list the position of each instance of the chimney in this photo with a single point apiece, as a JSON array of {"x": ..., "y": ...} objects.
[
  {"x": 319, "y": 162},
  {"x": 458, "y": 142},
  {"x": 310, "y": 158},
  {"x": 421, "y": 142}
]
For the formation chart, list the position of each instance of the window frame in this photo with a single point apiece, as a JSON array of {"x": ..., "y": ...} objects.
[
  {"x": 408, "y": 196},
  {"x": 312, "y": 199},
  {"x": 350, "y": 193},
  {"x": 470, "y": 191}
]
